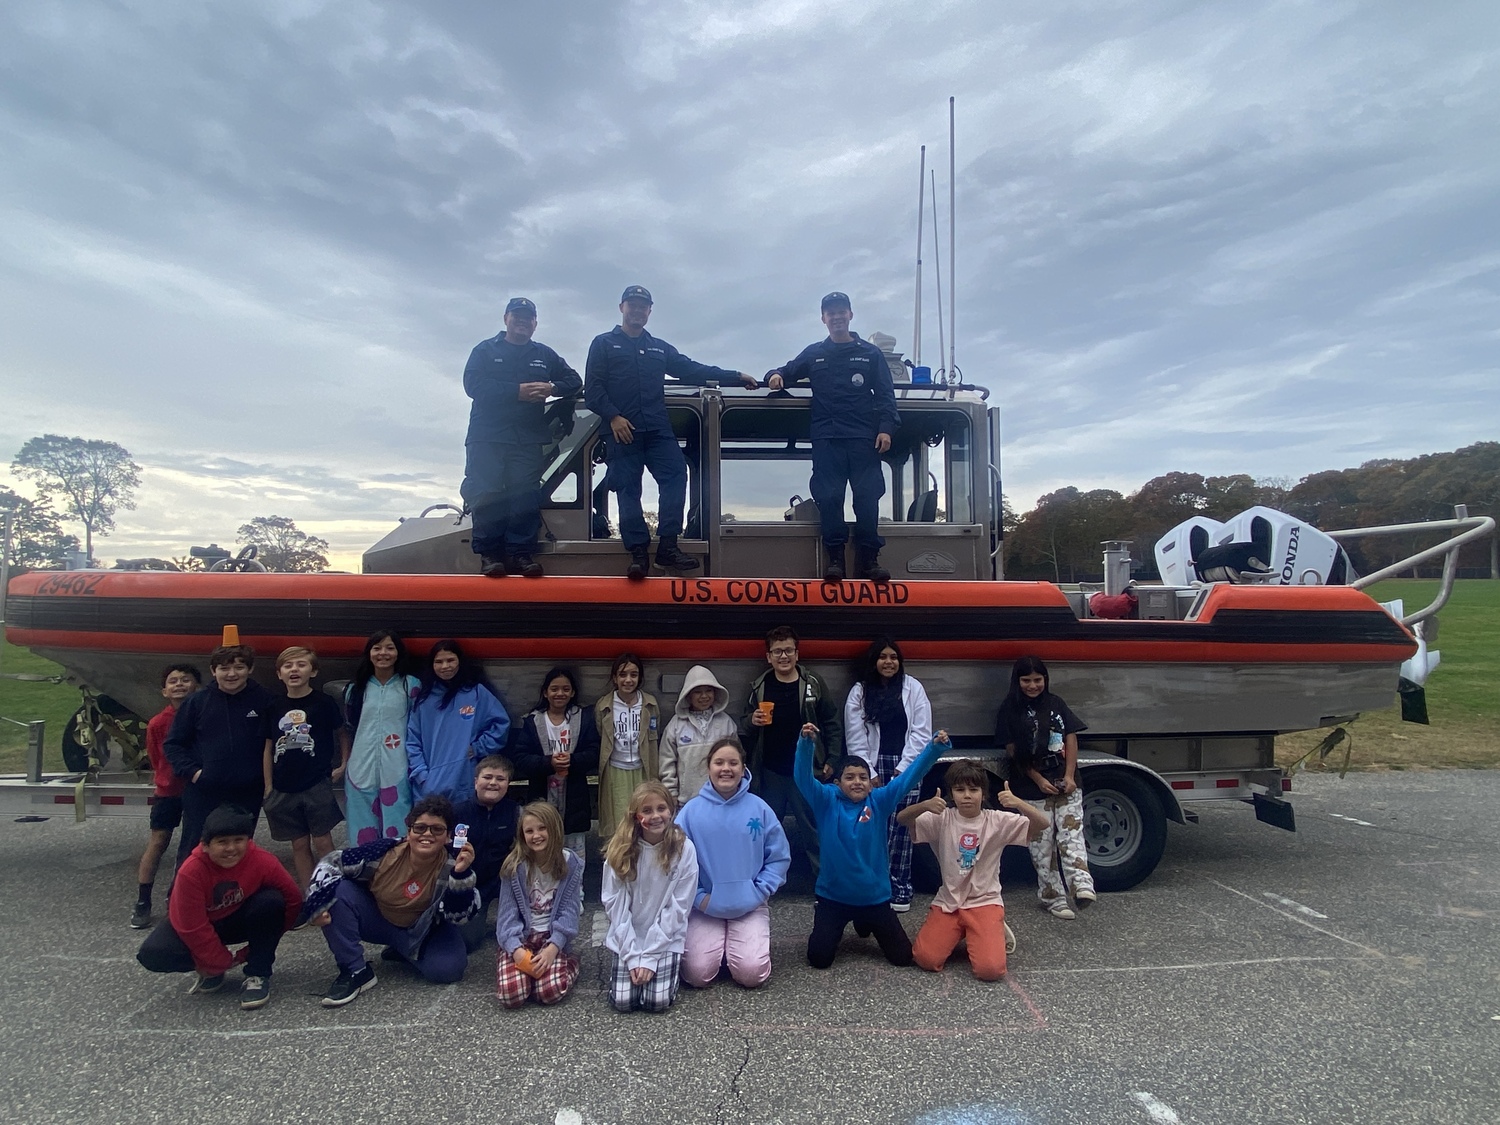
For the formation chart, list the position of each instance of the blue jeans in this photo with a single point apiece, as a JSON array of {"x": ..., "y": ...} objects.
[
  {"x": 354, "y": 918},
  {"x": 502, "y": 487},
  {"x": 851, "y": 462},
  {"x": 658, "y": 451}
]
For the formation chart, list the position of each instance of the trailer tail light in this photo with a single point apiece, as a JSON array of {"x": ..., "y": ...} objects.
[
  {"x": 1227, "y": 783},
  {"x": 1182, "y": 785},
  {"x": 1286, "y": 785}
]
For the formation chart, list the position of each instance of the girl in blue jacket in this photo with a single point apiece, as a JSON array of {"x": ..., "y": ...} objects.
[
  {"x": 456, "y": 720},
  {"x": 742, "y": 860}
]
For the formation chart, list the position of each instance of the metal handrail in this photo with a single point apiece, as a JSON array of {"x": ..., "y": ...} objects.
[{"x": 1478, "y": 527}]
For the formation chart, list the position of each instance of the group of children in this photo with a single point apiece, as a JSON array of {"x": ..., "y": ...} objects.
[{"x": 691, "y": 813}]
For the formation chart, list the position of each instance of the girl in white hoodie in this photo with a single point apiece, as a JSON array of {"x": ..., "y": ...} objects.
[
  {"x": 888, "y": 722},
  {"x": 650, "y": 879},
  {"x": 698, "y": 723}
]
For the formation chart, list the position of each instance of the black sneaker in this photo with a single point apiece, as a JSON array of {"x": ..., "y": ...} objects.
[
  {"x": 871, "y": 570},
  {"x": 834, "y": 571},
  {"x": 348, "y": 986},
  {"x": 140, "y": 916},
  {"x": 668, "y": 557},
  {"x": 389, "y": 954},
  {"x": 640, "y": 564},
  {"x": 525, "y": 566},
  {"x": 207, "y": 984},
  {"x": 255, "y": 993},
  {"x": 492, "y": 566}
]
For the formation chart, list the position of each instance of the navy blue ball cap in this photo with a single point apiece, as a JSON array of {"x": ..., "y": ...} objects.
[
  {"x": 521, "y": 305},
  {"x": 636, "y": 293},
  {"x": 837, "y": 300}
]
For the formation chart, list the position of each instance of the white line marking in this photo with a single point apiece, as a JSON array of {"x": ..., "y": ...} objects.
[
  {"x": 1184, "y": 966},
  {"x": 1293, "y": 904},
  {"x": 1157, "y": 1110},
  {"x": 600, "y": 927},
  {"x": 567, "y": 1116},
  {"x": 1351, "y": 819},
  {"x": 1300, "y": 921}
]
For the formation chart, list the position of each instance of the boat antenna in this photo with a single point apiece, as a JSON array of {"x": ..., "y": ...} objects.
[
  {"x": 916, "y": 328},
  {"x": 937, "y": 265},
  {"x": 952, "y": 255}
]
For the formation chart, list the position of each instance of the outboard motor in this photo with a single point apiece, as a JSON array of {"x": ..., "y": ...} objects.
[
  {"x": 1258, "y": 545},
  {"x": 1178, "y": 549}
]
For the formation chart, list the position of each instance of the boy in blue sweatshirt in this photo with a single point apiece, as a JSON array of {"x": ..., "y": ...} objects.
[{"x": 854, "y": 879}]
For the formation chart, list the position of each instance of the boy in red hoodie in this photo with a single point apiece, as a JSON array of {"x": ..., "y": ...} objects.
[
  {"x": 227, "y": 891},
  {"x": 178, "y": 681}
]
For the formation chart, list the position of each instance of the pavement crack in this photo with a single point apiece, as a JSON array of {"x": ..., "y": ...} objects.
[{"x": 733, "y": 1090}]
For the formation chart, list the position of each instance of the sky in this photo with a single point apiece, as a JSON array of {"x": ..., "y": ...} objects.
[{"x": 255, "y": 243}]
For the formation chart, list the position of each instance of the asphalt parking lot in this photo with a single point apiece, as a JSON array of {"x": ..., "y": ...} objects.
[{"x": 1348, "y": 972}]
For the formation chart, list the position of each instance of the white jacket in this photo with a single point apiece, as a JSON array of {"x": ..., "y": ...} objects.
[
  {"x": 685, "y": 740},
  {"x": 863, "y": 738}
]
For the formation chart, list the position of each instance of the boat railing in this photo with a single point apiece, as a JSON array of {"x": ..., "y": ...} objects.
[{"x": 1468, "y": 529}]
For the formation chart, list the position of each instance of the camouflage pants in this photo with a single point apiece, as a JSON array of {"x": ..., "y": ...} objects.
[{"x": 1059, "y": 852}]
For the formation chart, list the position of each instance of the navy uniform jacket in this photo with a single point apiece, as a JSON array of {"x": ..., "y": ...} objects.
[
  {"x": 852, "y": 392},
  {"x": 626, "y": 376},
  {"x": 492, "y": 379}
]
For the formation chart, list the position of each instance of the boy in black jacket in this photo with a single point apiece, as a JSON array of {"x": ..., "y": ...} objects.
[
  {"x": 491, "y": 816},
  {"x": 217, "y": 741}
]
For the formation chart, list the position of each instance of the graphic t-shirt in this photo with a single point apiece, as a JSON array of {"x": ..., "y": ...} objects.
[
  {"x": 304, "y": 739},
  {"x": 1021, "y": 729},
  {"x": 543, "y": 889},
  {"x": 779, "y": 742},
  {"x": 968, "y": 853},
  {"x": 402, "y": 888},
  {"x": 627, "y": 752}
]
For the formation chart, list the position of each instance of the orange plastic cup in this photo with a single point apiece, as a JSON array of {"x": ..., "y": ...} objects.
[{"x": 766, "y": 709}]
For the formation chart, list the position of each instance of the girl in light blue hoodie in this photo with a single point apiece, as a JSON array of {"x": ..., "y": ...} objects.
[{"x": 742, "y": 860}]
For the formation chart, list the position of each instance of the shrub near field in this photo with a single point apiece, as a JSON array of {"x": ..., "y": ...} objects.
[{"x": 1463, "y": 696}]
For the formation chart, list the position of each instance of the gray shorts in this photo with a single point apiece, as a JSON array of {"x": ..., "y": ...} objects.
[{"x": 312, "y": 812}]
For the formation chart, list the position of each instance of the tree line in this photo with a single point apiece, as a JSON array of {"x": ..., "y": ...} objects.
[
  {"x": 1059, "y": 539},
  {"x": 90, "y": 481}
]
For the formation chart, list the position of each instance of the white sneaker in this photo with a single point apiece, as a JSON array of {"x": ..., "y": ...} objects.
[
  {"x": 1085, "y": 899},
  {"x": 1061, "y": 910},
  {"x": 900, "y": 907},
  {"x": 1010, "y": 938}
]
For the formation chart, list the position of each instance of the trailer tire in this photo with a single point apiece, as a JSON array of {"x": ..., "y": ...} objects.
[
  {"x": 75, "y": 755},
  {"x": 1124, "y": 827}
]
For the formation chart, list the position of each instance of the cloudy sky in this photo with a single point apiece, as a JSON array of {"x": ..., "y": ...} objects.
[{"x": 254, "y": 243}]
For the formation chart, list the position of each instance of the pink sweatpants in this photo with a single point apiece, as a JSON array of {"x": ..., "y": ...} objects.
[{"x": 742, "y": 943}]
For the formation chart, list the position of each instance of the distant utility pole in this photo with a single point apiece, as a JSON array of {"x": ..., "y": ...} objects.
[{"x": 5, "y": 541}]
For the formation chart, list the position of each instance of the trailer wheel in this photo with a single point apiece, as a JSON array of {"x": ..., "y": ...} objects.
[{"x": 1124, "y": 827}]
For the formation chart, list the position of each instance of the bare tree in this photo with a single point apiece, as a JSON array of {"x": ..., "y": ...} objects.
[
  {"x": 281, "y": 545},
  {"x": 93, "y": 478}
]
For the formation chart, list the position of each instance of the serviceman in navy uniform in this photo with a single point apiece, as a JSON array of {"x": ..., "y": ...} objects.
[
  {"x": 853, "y": 417},
  {"x": 624, "y": 380},
  {"x": 510, "y": 377}
]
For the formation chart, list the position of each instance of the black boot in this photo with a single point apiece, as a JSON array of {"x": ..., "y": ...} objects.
[
  {"x": 834, "y": 570},
  {"x": 668, "y": 557},
  {"x": 640, "y": 564},
  {"x": 870, "y": 568},
  {"x": 492, "y": 566},
  {"x": 524, "y": 565}
]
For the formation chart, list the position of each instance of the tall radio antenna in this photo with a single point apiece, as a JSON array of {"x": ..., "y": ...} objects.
[
  {"x": 916, "y": 328},
  {"x": 952, "y": 255},
  {"x": 937, "y": 266}
]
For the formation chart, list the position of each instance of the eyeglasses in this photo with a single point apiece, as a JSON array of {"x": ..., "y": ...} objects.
[
  {"x": 428, "y": 830},
  {"x": 783, "y": 652}
]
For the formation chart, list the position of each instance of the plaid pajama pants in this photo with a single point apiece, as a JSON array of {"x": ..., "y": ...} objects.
[
  {"x": 899, "y": 838},
  {"x": 514, "y": 987},
  {"x": 654, "y": 996}
]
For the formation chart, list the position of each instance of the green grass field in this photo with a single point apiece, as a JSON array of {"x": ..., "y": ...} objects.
[
  {"x": 1463, "y": 696},
  {"x": 22, "y": 701}
]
